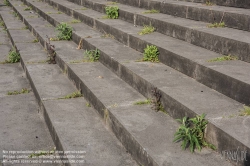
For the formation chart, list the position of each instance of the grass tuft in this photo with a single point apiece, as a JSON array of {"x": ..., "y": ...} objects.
[
  {"x": 151, "y": 11},
  {"x": 217, "y": 25},
  {"x": 147, "y": 29},
  {"x": 144, "y": 102},
  {"x": 224, "y": 58},
  {"x": 23, "y": 91},
  {"x": 245, "y": 111},
  {"x": 72, "y": 95}
]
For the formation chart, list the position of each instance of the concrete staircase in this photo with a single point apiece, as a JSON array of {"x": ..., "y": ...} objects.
[{"x": 189, "y": 85}]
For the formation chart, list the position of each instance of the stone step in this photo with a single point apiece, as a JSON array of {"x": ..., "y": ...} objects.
[
  {"x": 188, "y": 59},
  {"x": 232, "y": 17},
  {"x": 238, "y": 3},
  {"x": 143, "y": 77},
  {"x": 191, "y": 31},
  {"x": 73, "y": 124}
]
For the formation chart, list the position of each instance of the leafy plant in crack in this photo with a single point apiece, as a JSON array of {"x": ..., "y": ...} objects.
[
  {"x": 143, "y": 102},
  {"x": 191, "y": 133},
  {"x": 156, "y": 100},
  {"x": 27, "y": 9},
  {"x": 92, "y": 55},
  {"x": 208, "y": 3},
  {"x": 151, "y": 53},
  {"x": 65, "y": 31},
  {"x": 13, "y": 56},
  {"x": 112, "y": 12},
  {"x": 72, "y": 95},
  {"x": 217, "y": 25},
  {"x": 51, "y": 51}
]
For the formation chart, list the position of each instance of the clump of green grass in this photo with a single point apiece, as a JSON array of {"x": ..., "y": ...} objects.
[
  {"x": 224, "y": 58},
  {"x": 27, "y": 9},
  {"x": 245, "y": 111},
  {"x": 217, "y": 25},
  {"x": 191, "y": 133},
  {"x": 13, "y": 56},
  {"x": 107, "y": 35},
  {"x": 144, "y": 102},
  {"x": 24, "y": 28},
  {"x": 151, "y": 54},
  {"x": 74, "y": 21},
  {"x": 112, "y": 12},
  {"x": 72, "y": 95},
  {"x": 147, "y": 29},
  {"x": 65, "y": 31},
  {"x": 208, "y": 3},
  {"x": 92, "y": 55},
  {"x": 151, "y": 11},
  {"x": 88, "y": 104},
  {"x": 15, "y": 14},
  {"x": 6, "y": 2},
  {"x": 23, "y": 91},
  {"x": 1, "y": 23}
]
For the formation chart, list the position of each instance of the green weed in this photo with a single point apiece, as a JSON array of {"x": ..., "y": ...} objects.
[
  {"x": 23, "y": 91},
  {"x": 13, "y": 56},
  {"x": 72, "y": 95},
  {"x": 92, "y": 55},
  {"x": 27, "y": 9},
  {"x": 191, "y": 133},
  {"x": 74, "y": 21},
  {"x": 112, "y": 12},
  {"x": 217, "y": 25},
  {"x": 151, "y": 11},
  {"x": 6, "y": 2},
  {"x": 143, "y": 102},
  {"x": 65, "y": 31},
  {"x": 151, "y": 54},
  {"x": 111, "y": 3},
  {"x": 224, "y": 58},
  {"x": 35, "y": 40},
  {"x": 245, "y": 111},
  {"x": 147, "y": 29}
]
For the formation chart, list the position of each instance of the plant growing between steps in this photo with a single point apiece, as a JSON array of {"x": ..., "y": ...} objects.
[
  {"x": 143, "y": 102},
  {"x": 245, "y": 111},
  {"x": 6, "y": 2},
  {"x": 191, "y": 133},
  {"x": 208, "y": 3},
  {"x": 151, "y": 54},
  {"x": 151, "y": 11},
  {"x": 147, "y": 29},
  {"x": 23, "y": 91},
  {"x": 112, "y": 12},
  {"x": 13, "y": 56},
  {"x": 224, "y": 58},
  {"x": 65, "y": 31},
  {"x": 72, "y": 95},
  {"x": 217, "y": 25},
  {"x": 50, "y": 51},
  {"x": 92, "y": 55}
]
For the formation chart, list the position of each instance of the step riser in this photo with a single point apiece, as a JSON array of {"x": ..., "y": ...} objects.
[
  {"x": 202, "y": 74},
  {"x": 121, "y": 70}
]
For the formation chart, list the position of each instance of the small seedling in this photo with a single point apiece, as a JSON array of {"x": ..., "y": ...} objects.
[
  {"x": 147, "y": 29},
  {"x": 72, "y": 95},
  {"x": 2, "y": 23},
  {"x": 144, "y": 102},
  {"x": 13, "y": 56},
  {"x": 107, "y": 35},
  {"x": 23, "y": 91},
  {"x": 24, "y": 28},
  {"x": 191, "y": 133},
  {"x": 151, "y": 54},
  {"x": 6, "y": 2},
  {"x": 50, "y": 51},
  {"x": 59, "y": 12},
  {"x": 217, "y": 25},
  {"x": 112, "y": 12},
  {"x": 75, "y": 21},
  {"x": 92, "y": 55},
  {"x": 65, "y": 31},
  {"x": 48, "y": 12},
  {"x": 224, "y": 58},
  {"x": 151, "y": 11},
  {"x": 245, "y": 111},
  {"x": 84, "y": 8}
]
